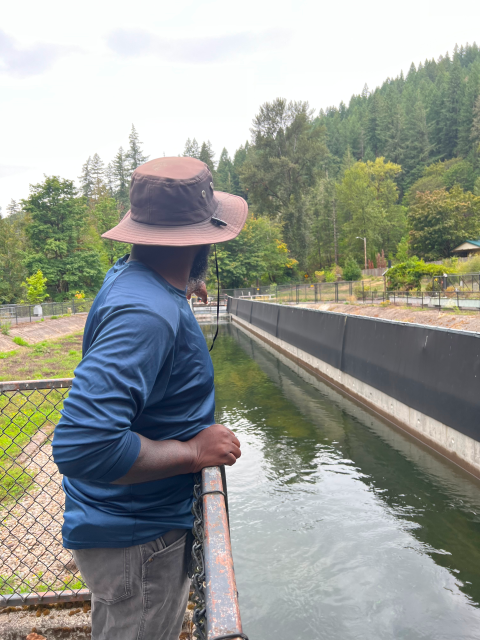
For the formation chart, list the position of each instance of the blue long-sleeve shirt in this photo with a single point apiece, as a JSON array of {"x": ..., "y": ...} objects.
[{"x": 145, "y": 369}]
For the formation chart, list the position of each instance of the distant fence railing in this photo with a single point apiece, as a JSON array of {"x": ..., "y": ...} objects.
[
  {"x": 34, "y": 565},
  {"x": 467, "y": 297},
  {"x": 16, "y": 313}
]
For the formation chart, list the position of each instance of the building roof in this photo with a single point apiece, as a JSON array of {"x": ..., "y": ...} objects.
[{"x": 468, "y": 244}]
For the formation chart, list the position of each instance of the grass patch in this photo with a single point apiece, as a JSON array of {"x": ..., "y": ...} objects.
[
  {"x": 48, "y": 359},
  {"x": 16, "y": 584},
  {"x": 22, "y": 414},
  {"x": 7, "y": 354},
  {"x": 20, "y": 341}
]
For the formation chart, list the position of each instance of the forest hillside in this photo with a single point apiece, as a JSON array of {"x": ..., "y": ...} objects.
[{"x": 399, "y": 166}]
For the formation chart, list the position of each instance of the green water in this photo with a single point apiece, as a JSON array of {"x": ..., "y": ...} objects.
[{"x": 342, "y": 527}]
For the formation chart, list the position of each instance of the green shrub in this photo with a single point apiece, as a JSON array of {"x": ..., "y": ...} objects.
[
  {"x": 351, "y": 270},
  {"x": 330, "y": 276},
  {"x": 407, "y": 276},
  {"x": 20, "y": 341}
]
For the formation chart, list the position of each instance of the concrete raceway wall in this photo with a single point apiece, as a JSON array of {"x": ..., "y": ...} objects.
[{"x": 424, "y": 379}]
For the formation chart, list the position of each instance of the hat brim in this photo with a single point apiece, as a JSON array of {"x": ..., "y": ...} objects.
[{"x": 231, "y": 209}]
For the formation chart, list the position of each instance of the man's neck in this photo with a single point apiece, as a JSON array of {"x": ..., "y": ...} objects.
[{"x": 172, "y": 263}]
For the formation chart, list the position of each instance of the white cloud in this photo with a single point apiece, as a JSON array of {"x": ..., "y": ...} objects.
[
  {"x": 25, "y": 61},
  {"x": 135, "y": 42},
  {"x": 7, "y": 170}
]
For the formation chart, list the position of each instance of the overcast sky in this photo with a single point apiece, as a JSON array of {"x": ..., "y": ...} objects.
[{"x": 75, "y": 76}]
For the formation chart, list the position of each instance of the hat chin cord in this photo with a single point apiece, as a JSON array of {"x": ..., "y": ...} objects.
[{"x": 218, "y": 296}]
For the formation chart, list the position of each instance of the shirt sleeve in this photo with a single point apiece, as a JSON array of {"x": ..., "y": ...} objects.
[{"x": 132, "y": 350}]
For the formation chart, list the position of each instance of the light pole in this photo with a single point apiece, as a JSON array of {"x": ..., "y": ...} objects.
[{"x": 364, "y": 248}]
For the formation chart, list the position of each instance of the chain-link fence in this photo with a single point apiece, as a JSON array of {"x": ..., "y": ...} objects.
[
  {"x": 17, "y": 313},
  {"x": 34, "y": 566}
]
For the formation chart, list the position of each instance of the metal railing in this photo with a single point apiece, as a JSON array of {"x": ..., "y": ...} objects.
[
  {"x": 36, "y": 568},
  {"x": 217, "y": 614},
  {"x": 17, "y": 313},
  {"x": 361, "y": 293}
]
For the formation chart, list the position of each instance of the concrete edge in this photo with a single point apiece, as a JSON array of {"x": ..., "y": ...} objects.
[{"x": 448, "y": 442}]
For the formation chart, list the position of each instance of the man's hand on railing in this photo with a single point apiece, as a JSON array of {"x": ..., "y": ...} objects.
[
  {"x": 213, "y": 447},
  {"x": 200, "y": 290}
]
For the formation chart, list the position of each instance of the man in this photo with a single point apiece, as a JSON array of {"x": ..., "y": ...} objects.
[{"x": 138, "y": 421}]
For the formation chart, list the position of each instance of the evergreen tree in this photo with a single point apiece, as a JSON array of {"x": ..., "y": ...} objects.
[
  {"x": 283, "y": 164},
  {"x": 452, "y": 104},
  {"x": 475, "y": 129},
  {"x": 121, "y": 181},
  {"x": 57, "y": 239},
  {"x": 466, "y": 144},
  {"x": 86, "y": 180},
  {"x": 13, "y": 208},
  {"x": 135, "y": 156},
  {"x": 12, "y": 253},
  {"x": 207, "y": 155},
  {"x": 97, "y": 175},
  {"x": 192, "y": 150},
  {"x": 224, "y": 177},
  {"x": 110, "y": 179},
  {"x": 417, "y": 144}
]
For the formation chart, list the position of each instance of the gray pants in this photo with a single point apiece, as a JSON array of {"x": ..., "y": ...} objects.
[{"x": 138, "y": 593}]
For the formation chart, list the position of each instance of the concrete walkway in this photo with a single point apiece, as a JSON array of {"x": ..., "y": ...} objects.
[{"x": 34, "y": 332}]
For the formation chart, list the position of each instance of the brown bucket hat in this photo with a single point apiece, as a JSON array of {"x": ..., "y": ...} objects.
[{"x": 173, "y": 202}]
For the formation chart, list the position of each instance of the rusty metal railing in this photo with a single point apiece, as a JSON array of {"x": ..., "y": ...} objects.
[{"x": 217, "y": 612}]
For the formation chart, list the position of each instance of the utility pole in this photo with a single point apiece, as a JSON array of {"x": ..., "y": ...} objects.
[{"x": 364, "y": 248}]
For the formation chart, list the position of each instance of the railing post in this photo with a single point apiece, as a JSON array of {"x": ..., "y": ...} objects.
[{"x": 221, "y": 597}]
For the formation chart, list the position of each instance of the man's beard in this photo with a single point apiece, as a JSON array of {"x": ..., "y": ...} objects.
[{"x": 199, "y": 268}]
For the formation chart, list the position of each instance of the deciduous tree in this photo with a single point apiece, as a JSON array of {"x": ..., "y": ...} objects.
[{"x": 56, "y": 234}]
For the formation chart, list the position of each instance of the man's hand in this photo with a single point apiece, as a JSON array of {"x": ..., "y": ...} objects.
[
  {"x": 213, "y": 447},
  {"x": 200, "y": 290}
]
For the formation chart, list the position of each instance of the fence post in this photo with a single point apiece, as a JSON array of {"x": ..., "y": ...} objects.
[
  {"x": 16, "y": 315},
  {"x": 422, "y": 299},
  {"x": 336, "y": 291},
  {"x": 73, "y": 305},
  {"x": 458, "y": 301},
  {"x": 363, "y": 292},
  {"x": 30, "y": 312},
  {"x": 350, "y": 289},
  {"x": 297, "y": 296}
]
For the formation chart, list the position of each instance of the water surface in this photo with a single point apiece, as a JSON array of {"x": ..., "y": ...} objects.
[{"x": 342, "y": 526}]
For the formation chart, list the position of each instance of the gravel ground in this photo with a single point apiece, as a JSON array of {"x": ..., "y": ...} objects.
[
  {"x": 70, "y": 621},
  {"x": 30, "y": 538},
  {"x": 462, "y": 320}
]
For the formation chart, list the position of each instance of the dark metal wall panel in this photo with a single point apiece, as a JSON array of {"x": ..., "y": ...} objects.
[
  {"x": 244, "y": 309},
  {"x": 434, "y": 371},
  {"x": 265, "y": 316},
  {"x": 319, "y": 334},
  {"x": 431, "y": 370}
]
